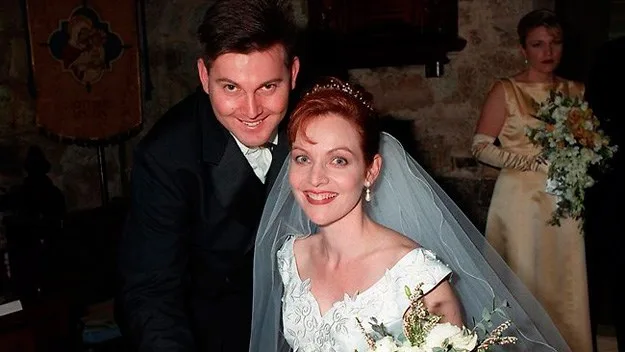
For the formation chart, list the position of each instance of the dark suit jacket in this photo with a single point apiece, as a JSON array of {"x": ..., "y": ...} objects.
[{"x": 186, "y": 253}]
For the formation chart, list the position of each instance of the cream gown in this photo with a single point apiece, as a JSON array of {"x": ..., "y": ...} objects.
[{"x": 549, "y": 260}]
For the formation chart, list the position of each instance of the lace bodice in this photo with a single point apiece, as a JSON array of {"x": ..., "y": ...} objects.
[{"x": 306, "y": 330}]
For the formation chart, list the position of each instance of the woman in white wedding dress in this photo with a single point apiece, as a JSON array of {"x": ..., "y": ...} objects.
[
  {"x": 350, "y": 222},
  {"x": 352, "y": 267}
]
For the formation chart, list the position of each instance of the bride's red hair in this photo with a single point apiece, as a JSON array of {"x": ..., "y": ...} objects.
[{"x": 333, "y": 96}]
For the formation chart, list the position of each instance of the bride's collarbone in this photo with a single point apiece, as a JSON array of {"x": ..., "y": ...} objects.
[
  {"x": 333, "y": 284},
  {"x": 329, "y": 283},
  {"x": 330, "y": 290}
]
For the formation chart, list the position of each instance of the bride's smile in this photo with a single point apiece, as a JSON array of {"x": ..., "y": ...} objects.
[{"x": 319, "y": 198}]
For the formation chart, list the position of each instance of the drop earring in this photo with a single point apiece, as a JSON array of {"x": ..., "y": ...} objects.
[{"x": 367, "y": 192}]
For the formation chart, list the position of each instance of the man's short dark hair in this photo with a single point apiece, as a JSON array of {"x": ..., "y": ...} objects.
[{"x": 244, "y": 26}]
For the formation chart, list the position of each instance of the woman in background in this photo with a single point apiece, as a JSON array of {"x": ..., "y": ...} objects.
[{"x": 550, "y": 260}]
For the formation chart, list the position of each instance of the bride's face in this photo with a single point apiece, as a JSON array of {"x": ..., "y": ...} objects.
[{"x": 327, "y": 171}]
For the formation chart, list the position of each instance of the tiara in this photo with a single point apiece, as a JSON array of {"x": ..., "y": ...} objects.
[{"x": 336, "y": 84}]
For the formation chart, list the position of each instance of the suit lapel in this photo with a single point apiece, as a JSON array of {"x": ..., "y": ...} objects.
[
  {"x": 279, "y": 154},
  {"x": 237, "y": 188}
]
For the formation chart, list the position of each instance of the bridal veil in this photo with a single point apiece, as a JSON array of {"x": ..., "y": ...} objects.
[{"x": 406, "y": 199}]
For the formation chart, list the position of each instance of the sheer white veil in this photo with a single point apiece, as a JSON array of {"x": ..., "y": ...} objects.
[{"x": 406, "y": 199}]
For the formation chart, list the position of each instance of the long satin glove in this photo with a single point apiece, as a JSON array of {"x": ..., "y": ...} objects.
[{"x": 484, "y": 150}]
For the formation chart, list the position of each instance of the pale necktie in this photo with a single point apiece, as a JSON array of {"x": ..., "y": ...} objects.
[{"x": 260, "y": 160}]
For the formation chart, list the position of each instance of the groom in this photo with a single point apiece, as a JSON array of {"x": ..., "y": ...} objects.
[{"x": 199, "y": 182}]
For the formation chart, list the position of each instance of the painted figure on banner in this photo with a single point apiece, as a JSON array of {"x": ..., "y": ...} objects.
[
  {"x": 86, "y": 72},
  {"x": 85, "y": 46}
]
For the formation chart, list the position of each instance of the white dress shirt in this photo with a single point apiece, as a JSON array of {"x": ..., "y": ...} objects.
[{"x": 259, "y": 157}]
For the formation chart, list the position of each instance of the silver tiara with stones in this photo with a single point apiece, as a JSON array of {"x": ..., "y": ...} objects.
[{"x": 333, "y": 83}]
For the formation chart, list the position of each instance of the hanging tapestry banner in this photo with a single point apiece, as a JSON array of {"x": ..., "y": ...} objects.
[{"x": 86, "y": 68}]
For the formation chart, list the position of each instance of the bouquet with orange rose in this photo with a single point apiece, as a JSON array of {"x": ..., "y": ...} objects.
[{"x": 571, "y": 142}]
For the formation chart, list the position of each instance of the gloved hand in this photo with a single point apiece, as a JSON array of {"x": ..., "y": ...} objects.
[{"x": 484, "y": 150}]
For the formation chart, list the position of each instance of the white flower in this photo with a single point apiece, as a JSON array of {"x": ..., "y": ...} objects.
[
  {"x": 464, "y": 341},
  {"x": 439, "y": 333},
  {"x": 385, "y": 344},
  {"x": 451, "y": 334},
  {"x": 558, "y": 100},
  {"x": 408, "y": 348}
]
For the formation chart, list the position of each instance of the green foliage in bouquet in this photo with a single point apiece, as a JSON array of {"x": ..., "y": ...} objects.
[{"x": 571, "y": 141}]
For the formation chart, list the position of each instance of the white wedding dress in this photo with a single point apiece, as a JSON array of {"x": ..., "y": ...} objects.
[{"x": 307, "y": 330}]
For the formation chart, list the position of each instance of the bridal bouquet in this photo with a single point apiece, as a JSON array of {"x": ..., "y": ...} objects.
[
  {"x": 571, "y": 142},
  {"x": 423, "y": 332}
]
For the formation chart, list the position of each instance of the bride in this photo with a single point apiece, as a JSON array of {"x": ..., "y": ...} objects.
[{"x": 360, "y": 222}]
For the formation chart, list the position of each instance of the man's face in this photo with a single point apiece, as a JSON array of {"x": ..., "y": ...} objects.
[{"x": 250, "y": 92}]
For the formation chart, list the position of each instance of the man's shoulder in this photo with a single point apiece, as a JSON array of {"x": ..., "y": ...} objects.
[{"x": 178, "y": 130}]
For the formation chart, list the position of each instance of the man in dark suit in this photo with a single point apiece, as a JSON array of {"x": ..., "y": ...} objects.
[
  {"x": 199, "y": 182},
  {"x": 604, "y": 224}
]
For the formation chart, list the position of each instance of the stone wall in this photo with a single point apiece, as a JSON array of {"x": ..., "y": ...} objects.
[
  {"x": 441, "y": 112},
  {"x": 444, "y": 110}
]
